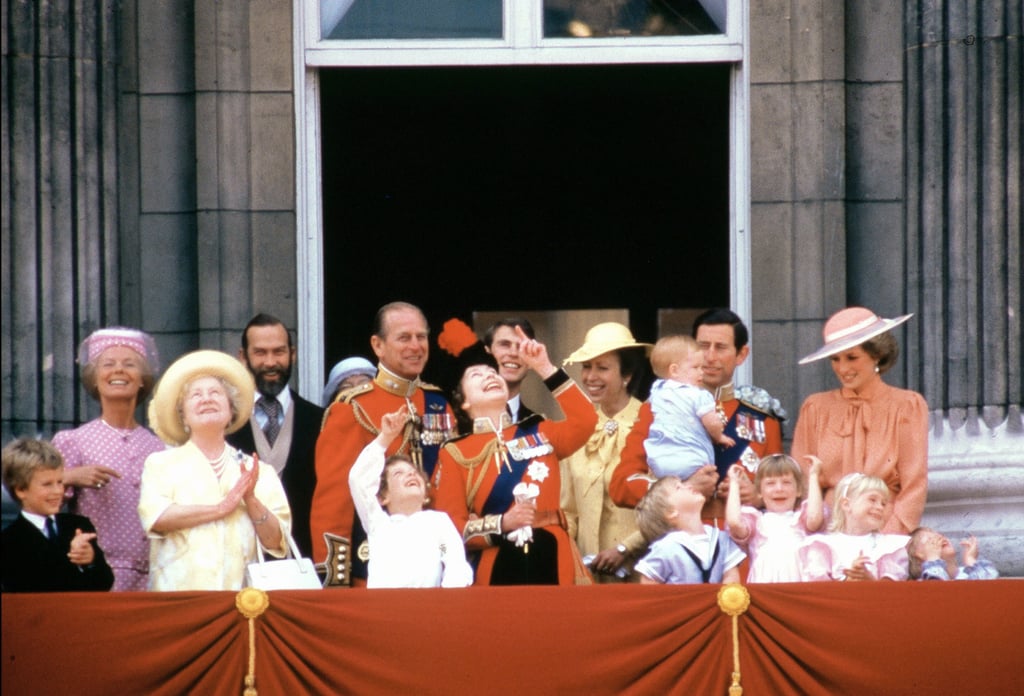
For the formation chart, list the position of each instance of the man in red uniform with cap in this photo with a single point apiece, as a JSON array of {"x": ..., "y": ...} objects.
[{"x": 753, "y": 420}]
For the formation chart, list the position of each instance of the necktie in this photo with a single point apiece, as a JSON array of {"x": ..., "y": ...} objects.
[
  {"x": 272, "y": 428},
  {"x": 51, "y": 530}
]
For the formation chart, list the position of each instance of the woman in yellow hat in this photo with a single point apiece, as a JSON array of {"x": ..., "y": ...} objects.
[
  {"x": 613, "y": 366},
  {"x": 866, "y": 425},
  {"x": 204, "y": 504}
]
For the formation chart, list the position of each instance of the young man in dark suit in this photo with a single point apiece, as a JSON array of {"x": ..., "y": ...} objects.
[
  {"x": 501, "y": 342},
  {"x": 284, "y": 427},
  {"x": 45, "y": 550}
]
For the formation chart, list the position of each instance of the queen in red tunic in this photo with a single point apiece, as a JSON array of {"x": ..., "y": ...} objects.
[{"x": 500, "y": 481}]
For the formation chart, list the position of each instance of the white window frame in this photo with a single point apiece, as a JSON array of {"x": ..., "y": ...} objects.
[{"x": 522, "y": 44}]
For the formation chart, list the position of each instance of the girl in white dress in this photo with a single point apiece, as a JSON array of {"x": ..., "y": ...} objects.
[
  {"x": 792, "y": 509},
  {"x": 856, "y": 548}
]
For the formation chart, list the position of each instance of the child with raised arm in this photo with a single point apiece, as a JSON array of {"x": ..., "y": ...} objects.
[
  {"x": 933, "y": 557},
  {"x": 856, "y": 548},
  {"x": 686, "y": 424},
  {"x": 683, "y": 550},
  {"x": 792, "y": 509},
  {"x": 44, "y": 549},
  {"x": 409, "y": 546}
]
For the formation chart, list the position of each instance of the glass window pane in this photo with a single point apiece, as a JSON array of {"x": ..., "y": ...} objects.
[
  {"x": 410, "y": 19},
  {"x": 603, "y": 18}
]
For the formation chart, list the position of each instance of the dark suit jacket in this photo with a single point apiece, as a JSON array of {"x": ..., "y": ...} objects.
[
  {"x": 32, "y": 563},
  {"x": 524, "y": 412},
  {"x": 299, "y": 475}
]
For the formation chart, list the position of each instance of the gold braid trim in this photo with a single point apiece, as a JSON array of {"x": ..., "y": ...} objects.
[
  {"x": 251, "y": 603},
  {"x": 364, "y": 420},
  {"x": 482, "y": 526},
  {"x": 733, "y": 599},
  {"x": 472, "y": 463}
]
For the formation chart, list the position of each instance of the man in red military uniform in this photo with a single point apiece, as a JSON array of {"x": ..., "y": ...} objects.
[
  {"x": 753, "y": 420},
  {"x": 400, "y": 343}
]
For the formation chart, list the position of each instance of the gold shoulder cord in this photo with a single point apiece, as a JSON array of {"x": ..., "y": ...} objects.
[
  {"x": 363, "y": 419},
  {"x": 408, "y": 433},
  {"x": 473, "y": 463}
]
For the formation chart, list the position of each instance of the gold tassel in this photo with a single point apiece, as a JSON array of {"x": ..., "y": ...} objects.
[
  {"x": 251, "y": 602},
  {"x": 733, "y": 599}
]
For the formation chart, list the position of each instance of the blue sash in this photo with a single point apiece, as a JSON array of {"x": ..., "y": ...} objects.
[{"x": 501, "y": 497}]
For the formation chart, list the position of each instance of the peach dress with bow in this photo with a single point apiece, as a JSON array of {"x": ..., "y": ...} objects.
[{"x": 882, "y": 432}]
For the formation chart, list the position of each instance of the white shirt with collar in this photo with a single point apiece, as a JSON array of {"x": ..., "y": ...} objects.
[
  {"x": 38, "y": 520},
  {"x": 284, "y": 398}
]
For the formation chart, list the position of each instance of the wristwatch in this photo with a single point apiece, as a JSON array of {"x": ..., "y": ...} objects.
[{"x": 621, "y": 548}]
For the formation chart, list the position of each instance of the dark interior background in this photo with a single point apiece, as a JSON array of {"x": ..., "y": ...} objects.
[{"x": 494, "y": 188}]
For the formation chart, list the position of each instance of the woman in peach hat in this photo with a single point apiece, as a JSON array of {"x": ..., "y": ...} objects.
[{"x": 867, "y": 425}]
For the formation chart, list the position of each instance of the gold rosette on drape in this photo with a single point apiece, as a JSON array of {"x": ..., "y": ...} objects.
[
  {"x": 733, "y": 599},
  {"x": 251, "y": 602}
]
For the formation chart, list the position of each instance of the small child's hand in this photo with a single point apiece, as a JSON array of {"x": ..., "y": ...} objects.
[
  {"x": 726, "y": 441},
  {"x": 391, "y": 424},
  {"x": 81, "y": 552},
  {"x": 970, "y": 550},
  {"x": 858, "y": 570},
  {"x": 735, "y": 472},
  {"x": 815, "y": 469}
]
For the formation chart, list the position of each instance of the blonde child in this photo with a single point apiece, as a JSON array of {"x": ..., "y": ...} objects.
[
  {"x": 686, "y": 425},
  {"x": 856, "y": 548},
  {"x": 44, "y": 549},
  {"x": 409, "y": 546},
  {"x": 933, "y": 557},
  {"x": 792, "y": 509},
  {"x": 683, "y": 550}
]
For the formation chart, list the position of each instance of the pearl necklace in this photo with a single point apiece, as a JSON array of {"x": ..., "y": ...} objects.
[{"x": 218, "y": 463}]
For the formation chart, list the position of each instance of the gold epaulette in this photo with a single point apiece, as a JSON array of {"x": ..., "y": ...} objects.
[{"x": 346, "y": 395}]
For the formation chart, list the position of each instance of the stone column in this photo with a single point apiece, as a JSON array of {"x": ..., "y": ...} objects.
[
  {"x": 59, "y": 203},
  {"x": 963, "y": 125}
]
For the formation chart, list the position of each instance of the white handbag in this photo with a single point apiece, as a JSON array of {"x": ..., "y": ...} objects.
[{"x": 295, "y": 573}]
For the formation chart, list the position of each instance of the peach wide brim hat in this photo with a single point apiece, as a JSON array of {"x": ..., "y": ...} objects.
[
  {"x": 849, "y": 328},
  {"x": 604, "y": 338},
  {"x": 164, "y": 418}
]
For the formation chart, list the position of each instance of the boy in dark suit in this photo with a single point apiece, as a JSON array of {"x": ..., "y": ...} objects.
[{"x": 45, "y": 550}]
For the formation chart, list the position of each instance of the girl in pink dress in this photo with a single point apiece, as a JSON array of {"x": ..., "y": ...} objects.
[
  {"x": 856, "y": 548},
  {"x": 792, "y": 508}
]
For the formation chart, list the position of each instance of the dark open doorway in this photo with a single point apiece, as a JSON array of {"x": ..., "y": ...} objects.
[{"x": 462, "y": 189}]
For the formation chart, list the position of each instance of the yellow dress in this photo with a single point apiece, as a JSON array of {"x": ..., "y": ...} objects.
[
  {"x": 594, "y": 521},
  {"x": 214, "y": 555}
]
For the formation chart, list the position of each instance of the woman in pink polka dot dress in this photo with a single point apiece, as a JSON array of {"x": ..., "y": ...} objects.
[{"x": 103, "y": 458}]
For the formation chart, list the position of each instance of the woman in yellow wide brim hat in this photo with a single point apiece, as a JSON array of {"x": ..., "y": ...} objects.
[{"x": 204, "y": 504}]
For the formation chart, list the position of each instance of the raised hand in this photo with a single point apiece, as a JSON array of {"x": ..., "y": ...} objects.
[
  {"x": 534, "y": 354},
  {"x": 391, "y": 424},
  {"x": 81, "y": 552}
]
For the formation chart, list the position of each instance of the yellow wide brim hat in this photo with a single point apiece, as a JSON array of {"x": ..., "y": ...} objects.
[
  {"x": 164, "y": 418},
  {"x": 604, "y": 338},
  {"x": 850, "y": 327}
]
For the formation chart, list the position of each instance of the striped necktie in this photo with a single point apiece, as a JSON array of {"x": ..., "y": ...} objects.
[{"x": 271, "y": 407}]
